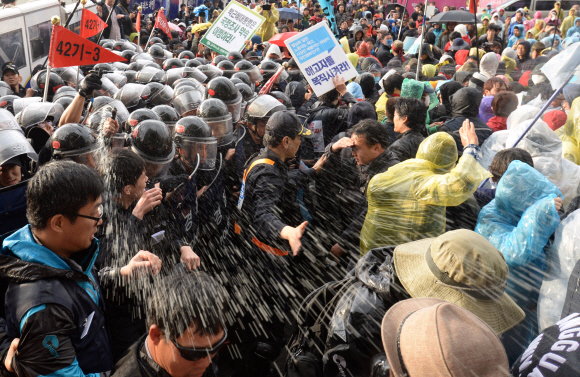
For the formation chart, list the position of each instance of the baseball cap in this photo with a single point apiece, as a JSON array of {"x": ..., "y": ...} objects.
[
  {"x": 555, "y": 119},
  {"x": 284, "y": 123},
  {"x": 9, "y": 66}
]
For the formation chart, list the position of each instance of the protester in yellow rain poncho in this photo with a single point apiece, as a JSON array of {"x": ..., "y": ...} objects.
[
  {"x": 407, "y": 202},
  {"x": 570, "y": 134},
  {"x": 568, "y": 22},
  {"x": 537, "y": 29},
  {"x": 268, "y": 28},
  {"x": 510, "y": 66}
]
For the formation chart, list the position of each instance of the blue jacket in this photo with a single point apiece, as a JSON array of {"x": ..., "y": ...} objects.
[{"x": 54, "y": 305}]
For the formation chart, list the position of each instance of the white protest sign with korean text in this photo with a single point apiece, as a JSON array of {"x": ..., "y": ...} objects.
[
  {"x": 320, "y": 57},
  {"x": 235, "y": 25}
]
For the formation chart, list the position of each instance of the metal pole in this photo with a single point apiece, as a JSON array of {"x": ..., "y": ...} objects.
[
  {"x": 421, "y": 45},
  {"x": 65, "y": 25},
  {"x": 46, "y": 82},
  {"x": 554, "y": 39},
  {"x": 552, "y": 98},
  {"x": 402, "y": 17},
  {"x": 139, "y": 34},
  {"x": 108, "y": 18},
  {"x": 79, "y": 67},
  {"x": 476, "y": 36}
]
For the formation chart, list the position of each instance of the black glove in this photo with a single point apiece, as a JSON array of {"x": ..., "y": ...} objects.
[
  {"x": 170, "y": 183},
  {"x": 91, "y": 83}
]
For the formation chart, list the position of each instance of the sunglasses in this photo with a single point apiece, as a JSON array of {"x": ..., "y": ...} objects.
[
  {"x": 194, "y": 354},
  {"x": 97, "y": 219}
]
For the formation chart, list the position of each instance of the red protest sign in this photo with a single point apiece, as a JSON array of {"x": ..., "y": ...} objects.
[
  {"x": 91, "y": 24},
  {"x": 161, "y": 23},
  {"x": 138, "y": 23},
  {"x": 69, "y": 50}
]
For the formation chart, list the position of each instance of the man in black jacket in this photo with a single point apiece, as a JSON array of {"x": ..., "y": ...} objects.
[
  {"x": 369, "y": 143},
  {"x": 54, "y": 305},
  {"x": 465, "y": 105},
  {"x": 409, "y": 120},
  {"x": 115, "y": 26},
  {"x": 186, "y": 329},
  {"x": 384, "y": 51}
]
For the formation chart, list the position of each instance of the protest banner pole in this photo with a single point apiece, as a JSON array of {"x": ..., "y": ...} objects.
[
  {"x": 55, "y": 20},
  {"x": 139, "y": 34},
  {"x": 402, "y": 18},
  {"x": 84, "y": 2},
  {"x": 552, "y": 98},
  {"x": 421, "y": 45},
  {"x": 65, "y": 25},
  {"x": 150, "y": 35}
]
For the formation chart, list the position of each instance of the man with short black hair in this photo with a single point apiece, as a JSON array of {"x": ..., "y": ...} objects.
[
  {"x": 11, "y": 76},
  {"x": 411, "y": 31},
  {"x": 52, "y": 315},
  {"x": 410, "y": 117},
  {"x": 186, "y": 327}
]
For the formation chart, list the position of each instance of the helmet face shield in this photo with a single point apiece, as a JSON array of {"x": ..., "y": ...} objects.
[
  {"x": 235, "y": 109},
  {"x": 69, "y": 76},
  {"x": 162, "y": 97},
  {"x": 154, "y": 170},
  {"x": 255, "y": 75},
  {"x": 187, "y": 101},
  {"x": 221, "y": 128},
  {"x": 206, "y": 148},
  {"x": 118, "y": 140},
  {"x": 12, "y": 144},
  {"x": 87, "y": 159},
  {"x": 107, "y": 88}
]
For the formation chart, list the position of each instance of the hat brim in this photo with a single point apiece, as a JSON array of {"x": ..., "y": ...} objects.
[
  {"x": 416, "y": 277},
  {"x": 305, "y": 132},
  {"x": 392, "y": 322}
]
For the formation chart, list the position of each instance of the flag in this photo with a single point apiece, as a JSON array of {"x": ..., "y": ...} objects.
[
  {"x": 473, "y": 4},
  {"x": 70, "y": 50},
  {"x": 91, "y": 24},
  {"x": 161, "y": 23},
  {"x": 268, "y": 86},
  {"x": 138, "y": 23}
]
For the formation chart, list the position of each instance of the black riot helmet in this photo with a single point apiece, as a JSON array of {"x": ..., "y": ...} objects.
[
  {"x": 7, "y": 102},
  {"x": 222, "y": 88},
  {"x": 130, "y": 75},
  {"x": 236, "y": 81},
  {"x": 123, "y": 46},
  {"x": 201, "y": 60},
  {"x": 188, "y": 101},
  {"x": 234, "y": 57},
  {"x": 128, "y": 54},
  {"x": 139, "y": 116},
  {"x": 193, "y": 137},
  {"x": 5, "y": 89},
  {"x": 96, "y": 119},
  {"x": 154, "y": 40},
  {"x": 210, "y": 71},
  {"x": 167, "y": 114},
  {"x": 263, "y": 108},
  {"x": 157, "y": 53},
  {"x": 64, "y": 101},
  {"x": 247, "y": 93},
  {"x": 133, "y": 96},
  {"x": 245, "y": 78},
  {"x": 192, "y": 63},
  {"x": 152, "y": 141},
  {"x": 99, "y": 102},
  {"x": 140, "y": 64},
  {"x": 218, "y": 59},
  {"x": 150, "y": 74},
  {"x": 160, "y": 94},
  {"x": 227, "y": 67},
  {"x": 186, "y": 55},
  {"x": 39, "y": 112},
  {"x": 284, "y": 100},
  {"x": 39, "y": 81},
  {"x": 175, "y": 74},
  {"x": 245, "y": 68},
  {"x": 172, "y": 63},
  {"x": 143, "y": 56},
  {"x": 108, "y": 45},
  {"x": 106, "y": 67},
  {"x": 216, "y": 114},
  {"x": 75, "y": 142},
  {"x": 65, "y": 91},
  {"x": 268, "y": 69}
]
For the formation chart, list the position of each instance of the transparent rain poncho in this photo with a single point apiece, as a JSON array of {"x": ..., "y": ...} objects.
[
  {"x": 546, "y": 150},
  {"x": 561, "y": 259},
  {"x": 570, "y": 134},
  {"x": 407, "y": 202}
]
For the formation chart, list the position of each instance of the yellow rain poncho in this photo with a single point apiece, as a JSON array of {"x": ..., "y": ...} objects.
[
  {"x": 407, "y": 202},
  {"x": 429, "y": 70},
  {"x": 268, "y": 28},
  {"x": 344, "y": 44},
  {"x": 537, "y": 29},
  {"x": 570, "y": 134},
  {"x": 381, "y": 106},
  {"x": 568, "y": 22},
  {"x": 510, "y": 66},
  {"x": 353, "y": 58}
]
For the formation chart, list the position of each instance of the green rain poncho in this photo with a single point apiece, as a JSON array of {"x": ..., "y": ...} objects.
[{"x": 407, "y": 202}]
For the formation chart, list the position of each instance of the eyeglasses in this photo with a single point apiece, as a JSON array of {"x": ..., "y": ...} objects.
[
  {"x": 194, "y": 354},
  {"x": 97, "y": 219}
]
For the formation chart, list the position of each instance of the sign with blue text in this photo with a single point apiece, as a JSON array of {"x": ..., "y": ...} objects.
[{"x": 320, "y": 57}]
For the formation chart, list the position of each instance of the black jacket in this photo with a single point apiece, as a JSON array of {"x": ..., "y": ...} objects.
[
  {"x": 332, "y": 121},
  {"x": 465, "y": 105},
  {"x": 384, "y": 54},
  {"x": 107, "y": 30},
  {"x": 406, "y": 145}
]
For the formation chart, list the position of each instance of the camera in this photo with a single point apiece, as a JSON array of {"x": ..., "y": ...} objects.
[{"x": 266, "y": 6}]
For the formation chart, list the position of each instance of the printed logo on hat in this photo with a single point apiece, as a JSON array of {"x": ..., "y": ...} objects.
[
  {"x": 55, "y": 144},
  {"x": 179, "y": 129},
  {"x": 211, "y": 92}
]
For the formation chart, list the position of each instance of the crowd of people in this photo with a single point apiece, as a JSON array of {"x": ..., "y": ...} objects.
[{"x": 186, "y": 213}]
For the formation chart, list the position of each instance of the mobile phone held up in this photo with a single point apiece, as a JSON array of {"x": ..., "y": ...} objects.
[{"x": 266, "y": 6}]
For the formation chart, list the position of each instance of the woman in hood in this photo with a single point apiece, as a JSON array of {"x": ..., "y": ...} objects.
[
  {"x": 442, "y": 112},
  {"x": 537, "y": 29},
  {"x": 574, "y": 29},
  {"x": 358, "y": 36},
  {"x": 427, "y": 55},
  {"x": 554, "y": 41},
  {"x": 568, "y": 21},
  {"x": 553, "y": 18},
  {"x": 519, "y": 33},
  {"x": 524, "y": 61},
  {"x": 273, "y": 53},
  {"x": 510, "y": 66},
  {"x": 488, "y": 64}
]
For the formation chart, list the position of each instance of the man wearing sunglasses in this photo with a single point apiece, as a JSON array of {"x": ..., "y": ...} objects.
[
  {"x": 54, "y": 305},
  {"x": 186, "y": 321}
]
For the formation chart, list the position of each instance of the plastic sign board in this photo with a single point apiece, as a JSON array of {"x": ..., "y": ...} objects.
[
  {"x": 320, "y": 57},
  {"x": 234, "y": 26},
  {"x": 70, "y": 50}
]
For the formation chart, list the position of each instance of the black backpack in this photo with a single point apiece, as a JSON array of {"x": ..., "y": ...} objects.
[{"x": 307, "y": 345}]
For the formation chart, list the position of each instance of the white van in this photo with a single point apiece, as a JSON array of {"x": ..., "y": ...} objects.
[{"x": 544, "y": 6}]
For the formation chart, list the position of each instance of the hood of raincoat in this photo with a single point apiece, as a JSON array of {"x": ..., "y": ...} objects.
[
  {"x": 521, "y": 114},
  {"x": 353, "y": 58},
  {"x": 427, "y": 50},
  {"x": 429, "y": 70},
  {"x": 461, "y": 29},
  {"x": 363, "y": 50},
  {"x": 274, "y": 49},
  {"x": 510, "y": 64},
  {"x": 447, "y": 90},
  {"x": 296, "y": 91},
  {"x": 356, "y": 91},
  {"x": 510, "y": 53},
  {"x": 485, "y": 111},
  {"x": 345, "y": 45},
  {"x": 488, "y": 64},
  {"x": 465, "y": 103},
  {"x": 367, "y": 62},
  {"x": 537, "y": 15},
  {"x": 522, "y": 30},
  {"x": 571, "y": 92},
  {"x": 528, "y": 47},
  {"x": 412, "y": 89},
  {"x": 440, "y": 150},
  {"x": 539, "y": 141},
  {"x": 360, "y": 111},
  {"x": 462, "y": 76},
  {"x": 554, "y": 40}
]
